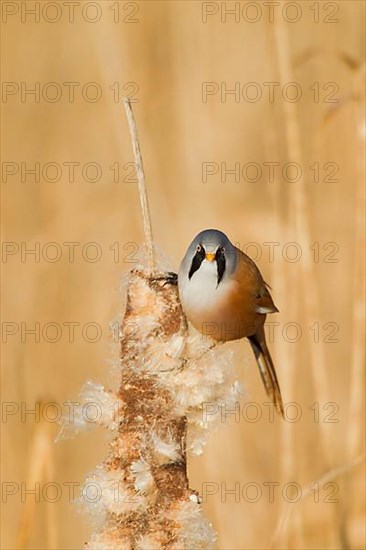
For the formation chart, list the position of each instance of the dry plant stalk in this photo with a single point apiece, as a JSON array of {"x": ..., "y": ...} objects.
[
  {"x": 41, "y": 468},
  {"x": 146, "y": 471},
  {"x": 307, "y": 491},
  {"x": 168, "y": 375},
  {"x": 301, "y": 226},
  {"x": 141, "y": 184}
]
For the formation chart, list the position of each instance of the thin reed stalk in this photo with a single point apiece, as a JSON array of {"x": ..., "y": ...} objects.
[
  {"x": 356, "y": 413},
  {"x": 141, "y": 185},
  {"x": 309, "y": 490},
  {"x": 301, "y": 226},
  {"x": 357, "y": 393},
  {"x": 40, "y": 470}
]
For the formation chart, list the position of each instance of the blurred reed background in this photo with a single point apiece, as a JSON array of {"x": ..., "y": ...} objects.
[{"x": 166, "y": 51}]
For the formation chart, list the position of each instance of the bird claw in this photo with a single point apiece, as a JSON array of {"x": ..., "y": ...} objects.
[{"x": 169, "y": 278}]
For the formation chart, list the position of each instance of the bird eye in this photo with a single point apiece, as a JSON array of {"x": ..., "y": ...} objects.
[
  {"x": 199, "y": 248},
  {"x": 222, "y": 248}
]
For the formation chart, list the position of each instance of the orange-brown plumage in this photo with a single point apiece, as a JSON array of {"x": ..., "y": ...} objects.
[{"x": 232, "y": 306}]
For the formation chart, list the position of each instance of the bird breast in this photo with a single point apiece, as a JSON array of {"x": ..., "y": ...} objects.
[
  {"x": 224, "y": 311},
  {"x": 201, "y": 296}
]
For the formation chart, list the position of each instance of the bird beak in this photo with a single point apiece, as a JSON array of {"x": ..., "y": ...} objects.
[{"x": 210, "y": 256}]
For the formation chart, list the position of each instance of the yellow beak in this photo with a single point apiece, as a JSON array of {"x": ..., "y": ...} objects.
[{"x": 210, "y": 256}]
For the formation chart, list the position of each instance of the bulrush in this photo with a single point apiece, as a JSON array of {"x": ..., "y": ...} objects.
[
  {"x": 170, "y": 378},
  {"x": 167, "y": 378}
]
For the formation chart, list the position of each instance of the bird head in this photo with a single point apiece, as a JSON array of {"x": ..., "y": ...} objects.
[{"x": 209, "y": 247}]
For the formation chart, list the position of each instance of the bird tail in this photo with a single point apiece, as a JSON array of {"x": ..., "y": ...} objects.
[{"x": 266, "y": 368}]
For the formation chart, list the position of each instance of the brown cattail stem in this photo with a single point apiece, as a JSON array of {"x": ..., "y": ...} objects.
[
  {"x": 155, "y": 507},
  {"x": 172, "y": 383},
  {"x": 141, "y": 185}
]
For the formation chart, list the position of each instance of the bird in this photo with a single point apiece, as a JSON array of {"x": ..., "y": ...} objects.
[{"x": 224, "y": 296}]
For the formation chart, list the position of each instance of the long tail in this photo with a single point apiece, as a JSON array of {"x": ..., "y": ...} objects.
[{"x": 266, "y": 368}]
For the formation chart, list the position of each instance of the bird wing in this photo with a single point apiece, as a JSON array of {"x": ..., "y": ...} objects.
[
  {"x": 264, "y": 302},
  {"x": 253, "y": 283}
]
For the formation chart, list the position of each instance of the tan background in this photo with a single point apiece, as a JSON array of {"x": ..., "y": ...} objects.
[{"x": 168, "y": 54}]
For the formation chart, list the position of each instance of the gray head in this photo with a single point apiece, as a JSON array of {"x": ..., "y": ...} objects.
[{"x": 212, "y": 246}]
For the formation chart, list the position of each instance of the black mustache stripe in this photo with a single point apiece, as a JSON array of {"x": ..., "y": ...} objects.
[
  {"x": 196, "y": 262},
  {"x": 221, "y": 265},
  {"x": 200, "y": 256}
]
